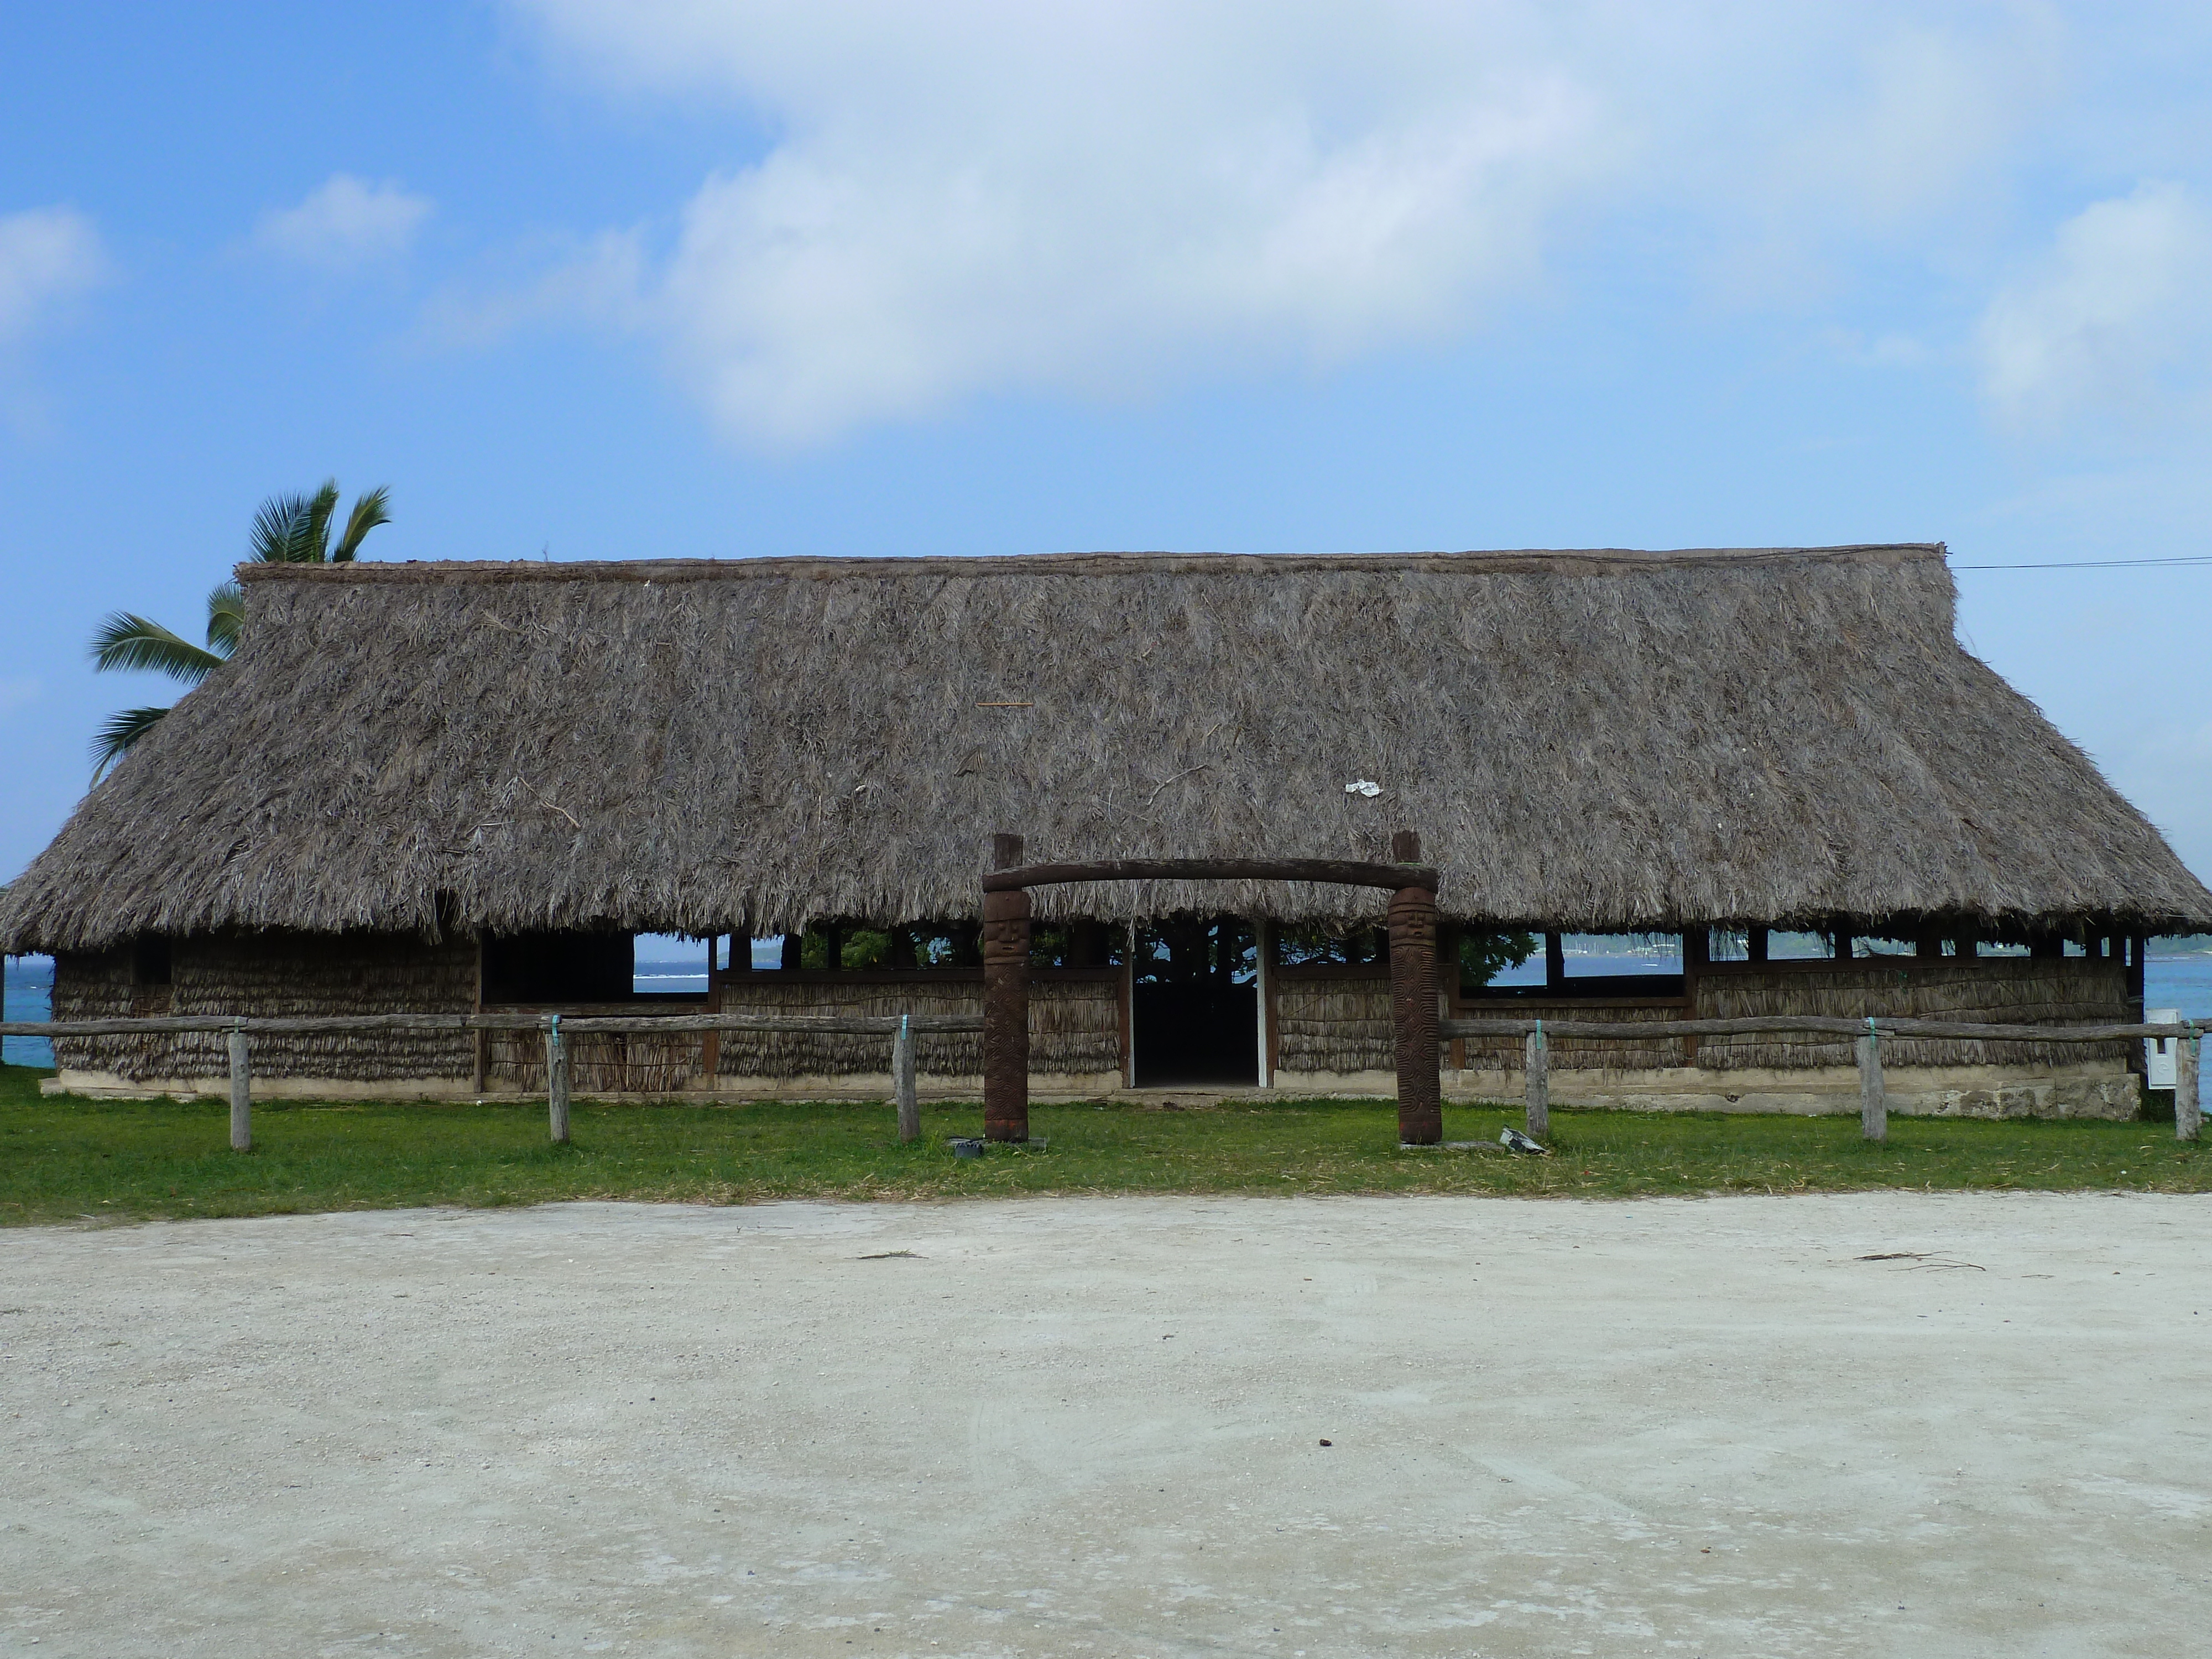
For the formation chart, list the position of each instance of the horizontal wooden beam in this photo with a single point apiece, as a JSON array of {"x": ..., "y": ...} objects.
[
  {"x": 368, "y": 1025},
  {"x": 1814, "y": 1024},
  {"x": 885, "y": 1024},
  {"x": 1337, "y": 872},
  {"x": 834, "y": 1024}
]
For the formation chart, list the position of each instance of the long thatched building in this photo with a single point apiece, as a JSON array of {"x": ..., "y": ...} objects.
[{"x": 450, "y": 787}]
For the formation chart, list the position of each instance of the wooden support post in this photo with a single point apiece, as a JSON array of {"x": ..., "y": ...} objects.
[
  {"x": 1128, "y": 989},
  {"x": 1754, "y": 944},
  {"x": 242, "y": 1090},
  {"x": 1874, "y": 1105},
  {"x": 2188, "y": 1114},
  {"x": 2131, "y": 951},
  {"x": 794, "y": 950},
  {"x": 1413, "y": 1004},
  {"x": 1449, "y": 970},
  {"x": 1538, "y": 1065},
  {"x": 556, "y": 1080},
  {"x": 1697, "y": 956},
  {"x": 909, "y": 1106},
  {"x": 1263, "y": 998},
  {"x": 482, "y": 1043},
  {"x": 1006, "y": 1002},
  {"x": 710, "y": 1042},
  {"x": 1555, "y": 962}
]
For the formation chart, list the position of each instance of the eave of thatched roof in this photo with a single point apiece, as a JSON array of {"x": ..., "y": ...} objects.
[{"x": 1594, "y": 740}]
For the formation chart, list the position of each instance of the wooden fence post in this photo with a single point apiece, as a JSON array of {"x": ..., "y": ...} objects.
[
  {"x": 909, "y": 1108},
  {"x": 1538, "y": 1063},
  {"x": 1413, "y": 1004},
  {"x": 1006, "y": 1002},
  {"x": 556, "y": 1080},
  {"x": 1874, "y": 1107},
  {"x": 242, "y": 1090},
  {"x": 2188, "y": 1114}
]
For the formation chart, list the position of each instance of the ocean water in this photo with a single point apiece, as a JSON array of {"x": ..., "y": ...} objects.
[
  {"x": 2177, "y": 975},
  {"x": 666, "y": 962},
  {"x": 684, "y": 976},
  {"x": 29, "y": 996}
]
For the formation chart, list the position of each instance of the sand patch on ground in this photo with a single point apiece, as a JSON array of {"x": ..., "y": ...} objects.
[{"x": 1093, "y": 1427}]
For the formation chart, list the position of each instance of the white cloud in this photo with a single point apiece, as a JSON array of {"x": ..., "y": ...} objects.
[
  {"x": 345, "y": 223},
  {"x": 812, "y": 296},
  {"x": 2118, "y": 313},
  {"x": 599, "y": 281},
  {"x": 982, "y": 195},
  {"x": 48, "y": 256}
]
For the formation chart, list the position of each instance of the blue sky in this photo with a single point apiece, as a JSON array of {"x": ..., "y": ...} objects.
[{"x": 673, "y": 277}]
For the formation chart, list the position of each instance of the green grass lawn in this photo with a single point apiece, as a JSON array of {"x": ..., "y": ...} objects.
[{"x": 66, "y": 1160}]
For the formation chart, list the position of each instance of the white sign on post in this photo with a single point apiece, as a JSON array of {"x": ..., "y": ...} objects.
[{"x": 2158, "y": 1052}]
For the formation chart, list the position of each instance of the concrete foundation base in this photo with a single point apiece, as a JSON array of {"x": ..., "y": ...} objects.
[{"x": 2103, "y": 1090}]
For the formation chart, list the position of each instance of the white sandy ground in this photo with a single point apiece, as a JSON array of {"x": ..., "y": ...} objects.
[{"x": 1093, "y": 1427}]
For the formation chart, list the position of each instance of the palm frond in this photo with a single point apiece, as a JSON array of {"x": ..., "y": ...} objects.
[
  {"x": 369, "y": 512},
  {"x": 315, "y": 543},
  {"x": 123, "y": 642},
  {"x": 226, "y": 608},
  {"x": 114, "y": 739},
  {"x": 297, "y": 529},
  {"x": 279, "y": 529}
]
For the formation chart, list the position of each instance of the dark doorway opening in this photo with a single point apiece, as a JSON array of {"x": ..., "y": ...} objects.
[
  {"x": 1194, "y": 1003},
  {"x": 547, "y": 967}
]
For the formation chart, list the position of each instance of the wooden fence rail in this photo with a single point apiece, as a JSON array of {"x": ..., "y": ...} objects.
[
  {"x": 1866, "y": 1033},
  {"x": 237, "y": 1033}
]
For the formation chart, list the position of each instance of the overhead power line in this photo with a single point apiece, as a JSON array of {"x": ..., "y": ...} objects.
[{"x": 2090, "y": 564}]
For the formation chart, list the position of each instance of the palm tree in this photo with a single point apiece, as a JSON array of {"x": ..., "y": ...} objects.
[{"x": 287, "y": 530}]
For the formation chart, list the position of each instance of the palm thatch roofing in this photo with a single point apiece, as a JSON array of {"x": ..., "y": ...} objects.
[{"x": 1599, "y": 740}]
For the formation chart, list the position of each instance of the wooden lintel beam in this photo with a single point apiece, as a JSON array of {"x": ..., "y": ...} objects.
[{"x": 1340, "y": 872}]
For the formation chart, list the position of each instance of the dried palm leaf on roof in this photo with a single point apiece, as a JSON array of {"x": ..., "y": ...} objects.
[{"x": 1591, "y": 740}]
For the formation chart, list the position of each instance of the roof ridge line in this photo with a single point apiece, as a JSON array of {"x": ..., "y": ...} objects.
[{"x": 1552, "y": 561}]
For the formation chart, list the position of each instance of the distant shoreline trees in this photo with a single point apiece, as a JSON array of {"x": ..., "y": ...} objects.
[{"x": 287, "y": 530}]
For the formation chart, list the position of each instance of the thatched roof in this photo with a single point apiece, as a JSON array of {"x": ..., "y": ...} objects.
[{"x": 1594, "y": 740}]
